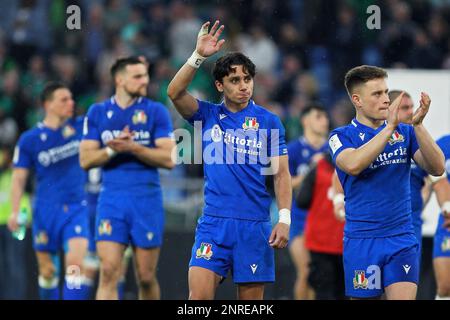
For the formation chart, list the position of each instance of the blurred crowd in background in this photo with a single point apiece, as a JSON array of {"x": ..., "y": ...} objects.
[{"x": 302, "y": 49}]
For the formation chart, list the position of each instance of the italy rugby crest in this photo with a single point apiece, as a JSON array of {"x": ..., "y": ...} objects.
[
  {"x": 205, "y": 251},
  {"x": 250, "y": 124},
  {"x": 396, "y": 137},
  {"x": 139, "y": 117}
]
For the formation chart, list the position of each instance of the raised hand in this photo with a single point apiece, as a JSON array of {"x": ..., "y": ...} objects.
[
  {"x": 208, "y": 43},
  {"x": 393, "y": 118},
  {"x": 422, "y": 111}
]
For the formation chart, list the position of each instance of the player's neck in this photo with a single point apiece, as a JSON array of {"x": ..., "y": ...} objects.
[
  {"x": 371, "y": 123},
  {"x": 124, "y": 100},
  {"x": 313, "y": 139},
  {"x": 53, "y": 122}
]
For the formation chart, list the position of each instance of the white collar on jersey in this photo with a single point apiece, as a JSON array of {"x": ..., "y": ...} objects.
[
  {"x": 355, "y": 123},
  {"x": 113, "y": 100}
]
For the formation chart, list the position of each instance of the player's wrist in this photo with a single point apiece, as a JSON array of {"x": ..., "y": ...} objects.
[
  {"x": 446, "y": 208},
  {"x": 110, "y": 152},
  {"x": 284, "y": 216},
  {"x": 195, "y": 60},
  {"x": 338, "y": 199}
]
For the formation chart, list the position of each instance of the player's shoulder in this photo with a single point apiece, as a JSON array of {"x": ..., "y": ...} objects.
[
  {"x": 260, "y": 110},
  {"x": 153, "y": 105},
  {"x": 444, "y": 140},
  {"x": 343, "y": 130},
  {"x": 32, "y": 133},
  {"x": 98, "y": 107}
]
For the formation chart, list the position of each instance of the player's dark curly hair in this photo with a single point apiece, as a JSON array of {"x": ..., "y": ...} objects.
[
  {"x": 362, "y": 74},
  {"x": 223, "y": 66},
  {"x": 49, "y": 89}
]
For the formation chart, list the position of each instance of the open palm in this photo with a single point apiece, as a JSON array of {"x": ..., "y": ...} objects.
[
  {"x": 422, "y": 111},
  {"x": 208, "y": 43}
]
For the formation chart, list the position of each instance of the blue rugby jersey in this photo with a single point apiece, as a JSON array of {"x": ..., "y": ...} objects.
[
  {"x": 378, "y": 200},
  {"x": 300, "y": 154},
  {"x": 149, "y": 120},
  {"x": 236, "y": 149},
  {"x": 53, "y": 155}
]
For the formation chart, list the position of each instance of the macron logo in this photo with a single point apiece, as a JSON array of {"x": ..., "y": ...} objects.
[
  {"x": 406, "y": 268},
  {"x": 254, "y": 267},
  {"x": 361, "y": 135},
  {"x": 222, "y": 116}
]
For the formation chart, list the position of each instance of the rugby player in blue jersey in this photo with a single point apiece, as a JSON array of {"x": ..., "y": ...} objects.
[
  {"x": 239, "y": 139},
  {"x": 60, "y": 218},
  {"x": 373, "y": 159},
  {"x": 309, "y": 147},
  {"x": 130, "y": 137},
  {"x": 441, "y": 249}
]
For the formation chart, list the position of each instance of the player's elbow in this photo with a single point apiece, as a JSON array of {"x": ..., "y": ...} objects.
[
  {"x": 172, "y": 92},
  {"x": 84, "y": 163},
  {"x": 169, "y": 164},
  {"x": 352, "y": 168}
]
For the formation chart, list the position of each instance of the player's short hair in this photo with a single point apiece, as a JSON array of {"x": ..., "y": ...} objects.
[
  {"x": 315, "y": 105},
  {"x": 49, "y": 89},
  {"x": 393, "y": 94},
  {"x": 122, "y": 63},
  {"x": 223, "y": 65},
  {"x": 362, "y": 74}
]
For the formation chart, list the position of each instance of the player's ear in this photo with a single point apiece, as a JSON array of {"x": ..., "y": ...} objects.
[
  {"x": 219, "y": 85},
  {"x": 356, "y": 99}
]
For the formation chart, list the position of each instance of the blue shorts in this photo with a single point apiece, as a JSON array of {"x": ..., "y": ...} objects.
[
  {"x": 372, "y": 264},
  {"x": 55, "y": 224},
  {"x": 239, "y": 246},
  {"x": 298, "y": 221},
  {"x": 130, "y": 219},
  {"x": 441, "y": 244}
]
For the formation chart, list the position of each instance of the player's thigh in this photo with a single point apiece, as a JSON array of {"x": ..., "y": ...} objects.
[
  {"x": 253, "y": 257},
  {"x": 147, "y": 221},
  {"x": 362, "y": 261},
  {"x": 212, "y": 248},
  {"x": 111, "y": 220},
  {"x": 402, "y": 261},
  {"x": 202, "y": 283},
  {"x": 401, "y": 291},
  {"x": 442, "y": 272},
  {"x": 146, "y": 261},
  {"x": 110, "y": 255},
  {"x": 251, "y": 291},
  {"x": 300, "y": 255}
]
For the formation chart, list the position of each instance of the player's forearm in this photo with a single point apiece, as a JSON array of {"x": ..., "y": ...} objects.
[
  {"x": 177, "y": 89},
  {"x": 355, "y": 161},
  {"x": 95, "y": 157},
  {"x": 432, "y": 155},
  {"x": 442, "y": 190},
  {"x": 297, "y": 181},
  {"x": 156, "y": 157},
  {"x": 283, "y": 190},
  {"x": 17, "y": 190}
]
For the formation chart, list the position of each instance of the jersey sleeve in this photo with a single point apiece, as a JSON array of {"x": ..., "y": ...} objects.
[
  {"x": 163, "y": 125},
  {"x": 292, "y": 160},
  {"x": 23, "y": 154},
  {"x": 203, "y": 112},
  {"x": 414, "y": 145},
  {"x": 277, "y": 142},
  {"x": 338, "y": 142},
  {"x": 90, "y": 125}
]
